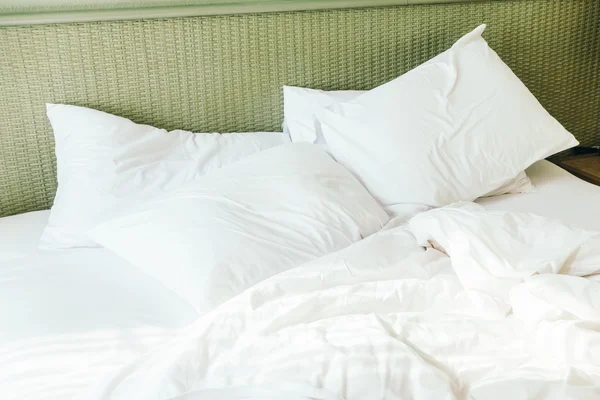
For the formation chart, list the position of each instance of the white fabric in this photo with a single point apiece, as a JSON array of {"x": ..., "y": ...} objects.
[
  {"x": 519, "y": 184},
  {"x": 492, "y": 251},
  {"x": 388, "y": 319},
  {"x": 19, "y": 234},
  {"x": 453, "y": 129},
  {"x": 56, "y": 311},
  {"x": 553, "y": 297},
  {"x": 107, "y": 163},
  {"x": 301, "y": 106},
  {"x": 558, "y": 195},
  {"x": 210, "y": 240},
  {"x": 70, "y": 317},
  {"x": 300, "y": 109}
]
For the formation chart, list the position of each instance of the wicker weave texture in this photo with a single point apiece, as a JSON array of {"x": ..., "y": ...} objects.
[{"x": 225, "y": 73}]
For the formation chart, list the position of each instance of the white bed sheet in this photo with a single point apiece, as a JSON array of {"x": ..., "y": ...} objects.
[
  {"x": 67, "y": 318},
  {"x": 19, "y": 234},
  {"x": 559, "y": 195}
]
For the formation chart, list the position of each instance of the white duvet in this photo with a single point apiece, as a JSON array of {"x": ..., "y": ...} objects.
[{"x": 459, "y": 304}]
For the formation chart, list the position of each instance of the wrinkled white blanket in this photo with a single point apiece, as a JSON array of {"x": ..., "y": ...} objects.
[{"x": 459, "y": 304}]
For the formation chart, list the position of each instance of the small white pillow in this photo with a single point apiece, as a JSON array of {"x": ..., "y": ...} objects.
[
  {"x": 107, "y": 163},
  {"x": 455, "y": 128},
  {"x": 213, "y": 238},
  {"x": 301, "y": 106}
]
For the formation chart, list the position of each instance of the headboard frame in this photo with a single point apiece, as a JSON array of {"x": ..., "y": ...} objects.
[{"x": 224, "y": 73}]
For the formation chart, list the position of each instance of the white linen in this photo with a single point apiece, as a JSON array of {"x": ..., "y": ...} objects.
[
  {"x": 453, "y": 129},
  {"x": 300, "y": 109},
  {"x": 211, "y": 239},
  {"x": 519, "y": 184},
  {"x": 57, "y": 312},
  {"x": 107, "y": 164},
  {"x": 19, "y": 234},
  {"x": 559, "y": 195},
  {"x": 302, "y": 105},
  {"x": 387, "y": 319},
  {"x": 492, "y": 251},
  {"x": 69, "y": 317}
]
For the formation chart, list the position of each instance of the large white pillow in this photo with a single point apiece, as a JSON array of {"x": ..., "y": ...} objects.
[
  {"x": 301, "y": 106},
  {"x": 107, "y": 163},
  {"x": 454, "y": 128},
  {"x": 213, "y": 238}
]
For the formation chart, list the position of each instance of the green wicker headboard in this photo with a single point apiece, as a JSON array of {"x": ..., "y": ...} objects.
[{"x": 224, "y": 73}]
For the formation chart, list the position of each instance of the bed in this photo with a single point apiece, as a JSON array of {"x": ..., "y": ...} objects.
[
  {"x": 64, "y": 307},
  {"x": 89, "y": 323}
]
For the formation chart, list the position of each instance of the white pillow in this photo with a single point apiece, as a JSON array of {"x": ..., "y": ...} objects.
[
  {"x": 213, "y": 238},
  {"x": 455, "y": 128},
  {"x": 301, "y": 106},
  {"x": 107, "y": 163}
]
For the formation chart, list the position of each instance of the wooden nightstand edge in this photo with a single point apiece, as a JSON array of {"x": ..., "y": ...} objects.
[{"x": 575, "y": 171}]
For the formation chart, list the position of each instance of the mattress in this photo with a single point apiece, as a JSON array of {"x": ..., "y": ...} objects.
[{"x": 71, "y": 317}]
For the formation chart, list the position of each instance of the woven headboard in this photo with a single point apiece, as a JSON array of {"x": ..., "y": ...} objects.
[{"x": 224, "y": 73}]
